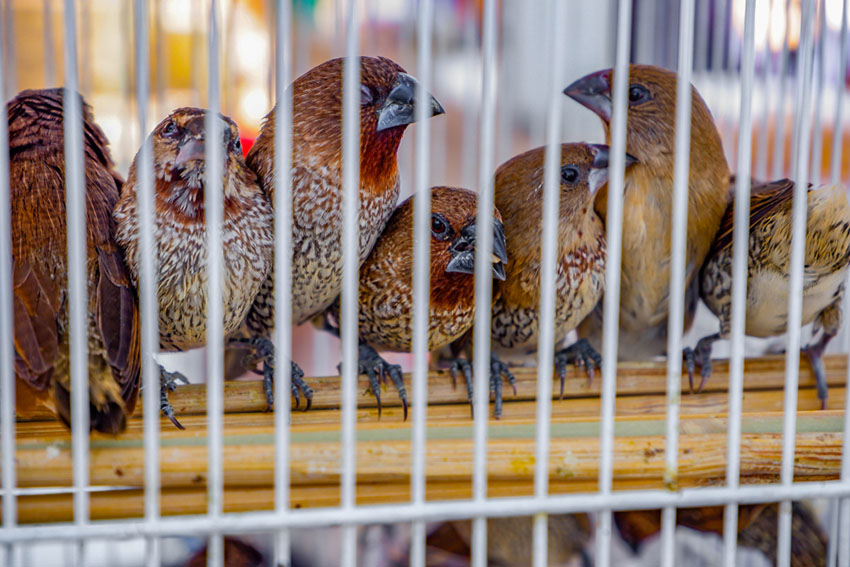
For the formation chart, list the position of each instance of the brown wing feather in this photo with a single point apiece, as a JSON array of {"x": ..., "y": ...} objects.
[{"x": 764, "y": 198}]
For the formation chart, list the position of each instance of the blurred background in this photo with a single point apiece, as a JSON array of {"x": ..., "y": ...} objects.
[{"x": 32, "y": 55}]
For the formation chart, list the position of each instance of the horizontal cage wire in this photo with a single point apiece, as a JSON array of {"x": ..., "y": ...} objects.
[{"x": 214, "y": 203}]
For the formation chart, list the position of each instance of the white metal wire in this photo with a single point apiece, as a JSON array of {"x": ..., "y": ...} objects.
[
  {"x": 421, "y": 271},
  {"x": 77, "y": 293},
  {"x": 795, "y": 298},
  {"x": 350, "y": 267},
  {"x": 779, "y": 116},
  {"x": 817, "y": 130},
  {"x": 148, "y": 307},
  {"x": 740, "y": 246},
  {"x": 213, "y": 207},
  {"x": 611, "y": 312},
  {"x": 283, "y": 267},
  {"x": 555, "y": 12},
  {"x": 838, "y": 132}
]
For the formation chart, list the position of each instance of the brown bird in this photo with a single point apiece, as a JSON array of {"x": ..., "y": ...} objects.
[
  {"x": 386, "y": 288},
  {"x": 40, "y": 267},
  {"x": 580, "y": 275},
  {"x": 825, "y": 270},
  {"x": 510, "y": 543},
  {"x": 647, "y": 203},
  {"x": 180, "y": 233},
  {"x": 387, "y": 101}
]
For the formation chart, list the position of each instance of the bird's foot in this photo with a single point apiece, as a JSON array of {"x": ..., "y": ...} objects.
[
  {"x": 263, "y": 351},
  {"x": 377, "y": 369},
  {"x": 699, "y": 355},
  {"x": 815, "y": 352},
  {"x": 168, "y": 383},
  {"x": 580, "y": 353},
  {"x": 497, "y": 370},
  {"x": 462, "y": 366}
]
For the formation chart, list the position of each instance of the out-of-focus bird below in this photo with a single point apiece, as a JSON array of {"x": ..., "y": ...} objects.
[
  {"x": 769, "y": 265},
  {"x": 647, "y": 203},
  {"x": 179, "y": 144},
  {"x": 387, "y": 107},
  {"x": 386, "y": 282},
  {"x": 40, "y": 267}
]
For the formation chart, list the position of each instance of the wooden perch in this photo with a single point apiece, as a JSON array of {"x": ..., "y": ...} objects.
[{"x": 384, "y": 452}]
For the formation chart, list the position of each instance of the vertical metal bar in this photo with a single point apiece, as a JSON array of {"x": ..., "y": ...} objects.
[
  {"x": 483, "y": 276},
  {"x": 10, "y": 62},
  {"x": 350, "y": 269},
  {"x": 7, "y": 368},
  {"x": 470, "y": 110},
  {"x": 283, "y": 265},
  {"x": 148, "y": 283},
  {"x": 611, "y": 307},
  {"x": 675, "y": 320},
  {"x": 817, "y": 130},
  {"x": 555, "y": 11},
  {"x": 840, "y": 91},
  {"x": 75, "y": 188},
  {"x": 765, "y": 79},
  {"x": 421, "y": 270},
  {"x": 798, "y": 248},
  {"x": 779, "y": 133},
  {"x": 213, "y": 205},
  {"x": 739, "y": 282},
  {"x": 718, "y": 41},
  {"x": 49, "y": 49}
]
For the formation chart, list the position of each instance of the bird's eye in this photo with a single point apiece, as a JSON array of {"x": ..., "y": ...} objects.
[
  {"x": 170, "y": 129},
  {"x": 366, "y": 95},
  {"x": 439, "y": 226},
  {"x": 237, "y": 144},
  {"x": 638, "y": 94},
  {"x": 569, "y": 174}
]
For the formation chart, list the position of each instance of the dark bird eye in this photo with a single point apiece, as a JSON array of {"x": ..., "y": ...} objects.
[
  {"x": 439, "y": 226},
  {"x": 638, "y": 94},
  {"x": 569, "y": 174},
  {"x": 237, "y": 144},
  {"x": 170, "y": 129},
  {"x": 366, "y": 95}
]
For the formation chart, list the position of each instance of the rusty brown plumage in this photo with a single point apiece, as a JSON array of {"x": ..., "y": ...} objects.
[
  {"x": 387, "y": 107},
  {"x": 647, "y": 207},
  {"x": 40, "y": 279}
]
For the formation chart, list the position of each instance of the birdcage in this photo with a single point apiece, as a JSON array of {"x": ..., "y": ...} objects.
[{"x": 772, "y": 72}]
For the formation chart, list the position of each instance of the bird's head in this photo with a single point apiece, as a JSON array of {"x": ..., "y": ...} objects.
[
  {"x": 651, "y": 122},
  {"x": 179, "y": 148},
  {"x": 387, "y": 106}
]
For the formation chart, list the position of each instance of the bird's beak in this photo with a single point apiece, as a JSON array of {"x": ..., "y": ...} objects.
[
  {"x": 594, "y": 92},
  {"x": 192, "y": 149},
  {"x": 599, "y": 169},
  {"x": 399, "y": 108},
  {"x": 463, "y": 251}
]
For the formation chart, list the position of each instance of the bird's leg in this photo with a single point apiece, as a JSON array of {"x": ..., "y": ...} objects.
[
  {"x": 376, "y": 369},
  {"x": 264, "y": 352},
  {"x": 462, "y": 366},
  {"x": 701, "y": 355},
  {"x": 815, "y": 352},
  {"x": 168, "y": 383},
  {"x": 580, "y": 353},
  {"x": 497, "y": 369}
]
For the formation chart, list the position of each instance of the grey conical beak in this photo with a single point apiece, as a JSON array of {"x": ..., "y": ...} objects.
[
  {"x": 463, "y": 251},
  {"x": 399, "y": 108}
]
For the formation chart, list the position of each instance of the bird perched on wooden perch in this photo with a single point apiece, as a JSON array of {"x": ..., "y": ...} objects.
[
  {"x": 647, "y": 203},
  {"x": 40, "y": 268},
  {"x": 387, "y": 107},
  {"x": 179, "y": 145},
  {"x": 768, "y": 267}
]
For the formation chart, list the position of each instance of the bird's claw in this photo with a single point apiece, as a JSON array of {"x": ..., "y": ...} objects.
[
  {"x": 263, "y": 351},
  {"x": 377, "y": 369},
  {"x": 462, "y": 366},
  {"x": 580, "y": 353},
  {"x": 168, "y": 383},
  {"x": 497, "y": 369},
  {"x": 701, "y": 356}
]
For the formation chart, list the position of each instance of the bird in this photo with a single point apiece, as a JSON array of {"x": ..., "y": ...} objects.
[
  {"x": 40, "y": 267},
  {"x": 768, "y": 267},
  {"x": 385, "y": 318},
  {"x": 179, "y": 144},
  {"x": 647, "y": 203},
  {"x": 580, "y": 275},
  {"x": 387, "y": 107}
]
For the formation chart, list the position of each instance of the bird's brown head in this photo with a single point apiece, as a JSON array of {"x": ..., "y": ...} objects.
[
  {"x": 387, "y": 107},
  {"x": 179, "y": 148},
  {"x": 651, "y": 123}
]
